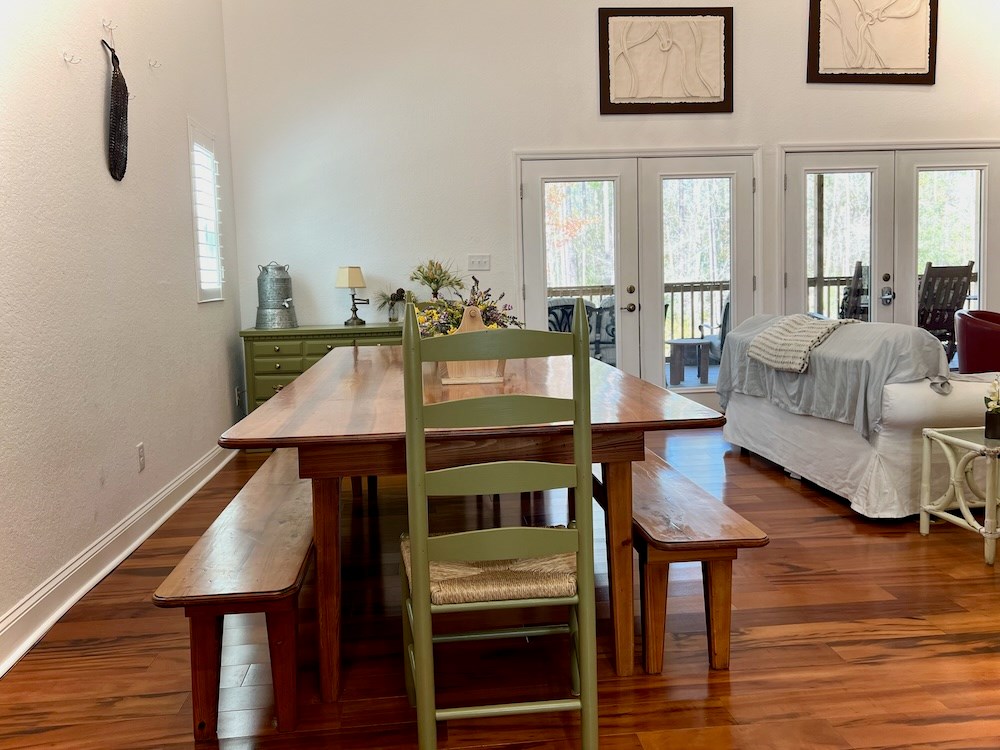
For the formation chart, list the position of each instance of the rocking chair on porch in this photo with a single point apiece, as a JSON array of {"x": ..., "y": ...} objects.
[{"x": 943, "y": 290}]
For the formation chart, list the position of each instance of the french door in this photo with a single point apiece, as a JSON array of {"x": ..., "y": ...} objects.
[
  {"x": 861, "y": 226},
  {"x": 658, "y": 245}
]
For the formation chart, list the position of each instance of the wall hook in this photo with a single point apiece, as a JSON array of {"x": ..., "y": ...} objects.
[
  {"x": 71, "y": 58},
  {"x": 110, "y": 28},
  {"x": 154, "y": 64}
]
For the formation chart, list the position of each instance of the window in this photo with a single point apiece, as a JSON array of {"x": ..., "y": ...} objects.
[{"x": 205, "y": 202}]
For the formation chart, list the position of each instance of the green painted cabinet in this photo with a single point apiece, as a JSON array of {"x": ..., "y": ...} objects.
[{"x": 274, "y": 357}]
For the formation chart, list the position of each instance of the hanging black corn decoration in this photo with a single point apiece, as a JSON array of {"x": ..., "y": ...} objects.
[{"x": 118, "y": 119}]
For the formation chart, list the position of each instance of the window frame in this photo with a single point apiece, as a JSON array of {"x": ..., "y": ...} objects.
[{"x": 202, "y": 140}]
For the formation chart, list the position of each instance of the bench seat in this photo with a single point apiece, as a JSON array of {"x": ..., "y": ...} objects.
[
  {"x": 675, "y": 520},
  {"x": 253, "y": 558}
]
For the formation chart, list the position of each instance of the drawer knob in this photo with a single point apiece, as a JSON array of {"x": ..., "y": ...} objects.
[
  {"x": 278, "y": 388},
  {"x": 277, "y": 348},
  {"x": 329, "y": 347},
  {"x": 277, "y": 366}
]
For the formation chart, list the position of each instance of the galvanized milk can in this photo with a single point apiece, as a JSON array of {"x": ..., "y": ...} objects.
[{"x": 274, "y": 297}]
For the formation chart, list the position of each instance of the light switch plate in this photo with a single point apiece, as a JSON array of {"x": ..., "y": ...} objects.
[{"x": 479, "y": 262}]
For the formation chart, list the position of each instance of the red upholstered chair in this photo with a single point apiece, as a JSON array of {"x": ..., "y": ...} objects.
[{"x": 978, "y": 337}]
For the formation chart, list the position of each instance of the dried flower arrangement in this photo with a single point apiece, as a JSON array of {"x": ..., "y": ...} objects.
[{"x": 441, "y": 316}]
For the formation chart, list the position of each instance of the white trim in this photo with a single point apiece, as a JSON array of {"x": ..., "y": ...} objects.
[
  {"x": 620, "y": 153},
  {"x": 886, "y": 146},
  {"x": 31, "y": 618}
]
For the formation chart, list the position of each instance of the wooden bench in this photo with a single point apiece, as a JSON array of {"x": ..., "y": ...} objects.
[
  {"x": 675, "y": 520},
  {"x": 253, "y": 558}
]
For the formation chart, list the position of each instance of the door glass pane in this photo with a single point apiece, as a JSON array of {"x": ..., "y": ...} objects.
[
  {"x": 697, "y": 269},
  {"x": 948, "y": 238},
  {"x": 948, "y": 221},
  {"x": 580, "y": 237},
  {"x": 839, "y": 243}
]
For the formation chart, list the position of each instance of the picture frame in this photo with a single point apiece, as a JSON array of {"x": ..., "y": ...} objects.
[
  {"x": 665, "y": 60},
  {"x": 852, "y": 41}
]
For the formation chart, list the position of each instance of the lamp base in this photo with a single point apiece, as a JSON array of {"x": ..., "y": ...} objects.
[{"x": 354, "y": 320}]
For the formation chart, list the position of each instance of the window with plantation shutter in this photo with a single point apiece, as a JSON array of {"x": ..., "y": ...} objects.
[{"x": 205, "y": 202}]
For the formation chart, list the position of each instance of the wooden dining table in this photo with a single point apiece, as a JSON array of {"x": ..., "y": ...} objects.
[{"x": 345, "y": 417}]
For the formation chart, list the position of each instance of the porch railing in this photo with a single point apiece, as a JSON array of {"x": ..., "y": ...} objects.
[
  {"x": 691, "y": 304},
  {"x": 688, "y": 304}
]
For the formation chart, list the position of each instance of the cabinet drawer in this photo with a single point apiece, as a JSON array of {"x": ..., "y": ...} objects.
[
  {"x": 381, "y": 341},
  {"x": 281, "y": 348},
  {"x": 266, "y": 365},
  {"x": 319, "y": 347},
  {"x": 266, "y": 386}
]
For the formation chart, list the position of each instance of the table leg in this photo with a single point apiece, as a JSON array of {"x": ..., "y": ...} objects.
[
  {"x": 676, "y": 364},
  {"x": 618, "y": 484},
  {"x": 703, "y": 362},
  {"x": 991, "y": 512},
  {"x": 925, "y": 485},
  {"x": 326, "y": 535}
]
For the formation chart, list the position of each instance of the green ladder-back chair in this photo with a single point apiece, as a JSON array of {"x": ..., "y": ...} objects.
[{"x": 506, "y": 567}]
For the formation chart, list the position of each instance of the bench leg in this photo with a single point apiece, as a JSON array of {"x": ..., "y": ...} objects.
[
  {"x": 717, "y": 578},
  {"x": 372, "y": 494},
  {"x": 653, "y": 579},
  {"x": 281, "y": 641},
  {"x": 703, "y": 363},
  {"x": 206, "y": 667}
]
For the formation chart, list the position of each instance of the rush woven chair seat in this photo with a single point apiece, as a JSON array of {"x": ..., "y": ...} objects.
[
  {"x": 499, "y": 568},
  {"x": 459, "y": 582}
]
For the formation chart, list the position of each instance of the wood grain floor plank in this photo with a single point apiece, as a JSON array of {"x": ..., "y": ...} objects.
[{"x": 847, "y": 633}]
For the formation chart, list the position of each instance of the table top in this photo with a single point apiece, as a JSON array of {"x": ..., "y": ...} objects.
[
  {"x": 355, "y": 395},
  {"x": 969, "y": 438}
]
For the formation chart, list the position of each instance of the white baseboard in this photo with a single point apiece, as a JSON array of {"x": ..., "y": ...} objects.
[{"x": 31, "y": 618}]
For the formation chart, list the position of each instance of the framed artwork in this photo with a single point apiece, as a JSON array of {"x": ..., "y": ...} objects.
[
  {"x": 665, "y": 60},
  {"x": 872, "y": 41}
]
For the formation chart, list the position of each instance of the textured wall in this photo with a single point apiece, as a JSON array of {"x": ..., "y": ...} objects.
[
  {"x": 383, "y": 132},
  {"x": 103, "y": 343}
]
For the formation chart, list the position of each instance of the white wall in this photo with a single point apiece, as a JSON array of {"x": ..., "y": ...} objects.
[
  {"x": 383, "y": 133},
  {"x": 103, "y": 343}
]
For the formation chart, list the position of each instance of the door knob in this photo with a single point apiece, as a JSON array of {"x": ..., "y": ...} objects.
[
  {"x": 887, "y": 295},
  {"x": 630, "y": 307}
]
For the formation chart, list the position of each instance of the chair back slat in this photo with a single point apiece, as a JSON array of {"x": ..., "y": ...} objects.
[
  {"x": 482, "y": 545},
  {"x": 502, "y": 343},
  {"x": 500, "y": 477},
  {"x": 506, "y": 411}
]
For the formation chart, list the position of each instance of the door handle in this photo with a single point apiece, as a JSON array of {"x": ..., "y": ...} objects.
[
  {"x": 887, "y": 295},
  {"x": 630, "y": 307}
]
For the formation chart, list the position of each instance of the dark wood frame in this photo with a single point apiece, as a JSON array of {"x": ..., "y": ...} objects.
[
  {"x": 813, "y": 74},
  {"x": 644, "y": 108}
]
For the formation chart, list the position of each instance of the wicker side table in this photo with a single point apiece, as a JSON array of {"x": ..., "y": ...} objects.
[{"x": 962, "y": 446}]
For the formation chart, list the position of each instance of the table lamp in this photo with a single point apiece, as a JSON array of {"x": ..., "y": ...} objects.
[{"x": 350, "y": 277}]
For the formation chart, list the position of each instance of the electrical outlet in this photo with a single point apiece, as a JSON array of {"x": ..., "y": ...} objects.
[
  {"x": 479, "y": 262},
  {"x": 142, "y": 455}
]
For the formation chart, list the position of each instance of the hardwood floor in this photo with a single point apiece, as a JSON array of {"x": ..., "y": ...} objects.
[{"x": 847, "y": 633}]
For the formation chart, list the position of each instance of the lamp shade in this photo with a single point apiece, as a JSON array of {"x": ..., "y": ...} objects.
[{"x": 350, "y": 277}]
